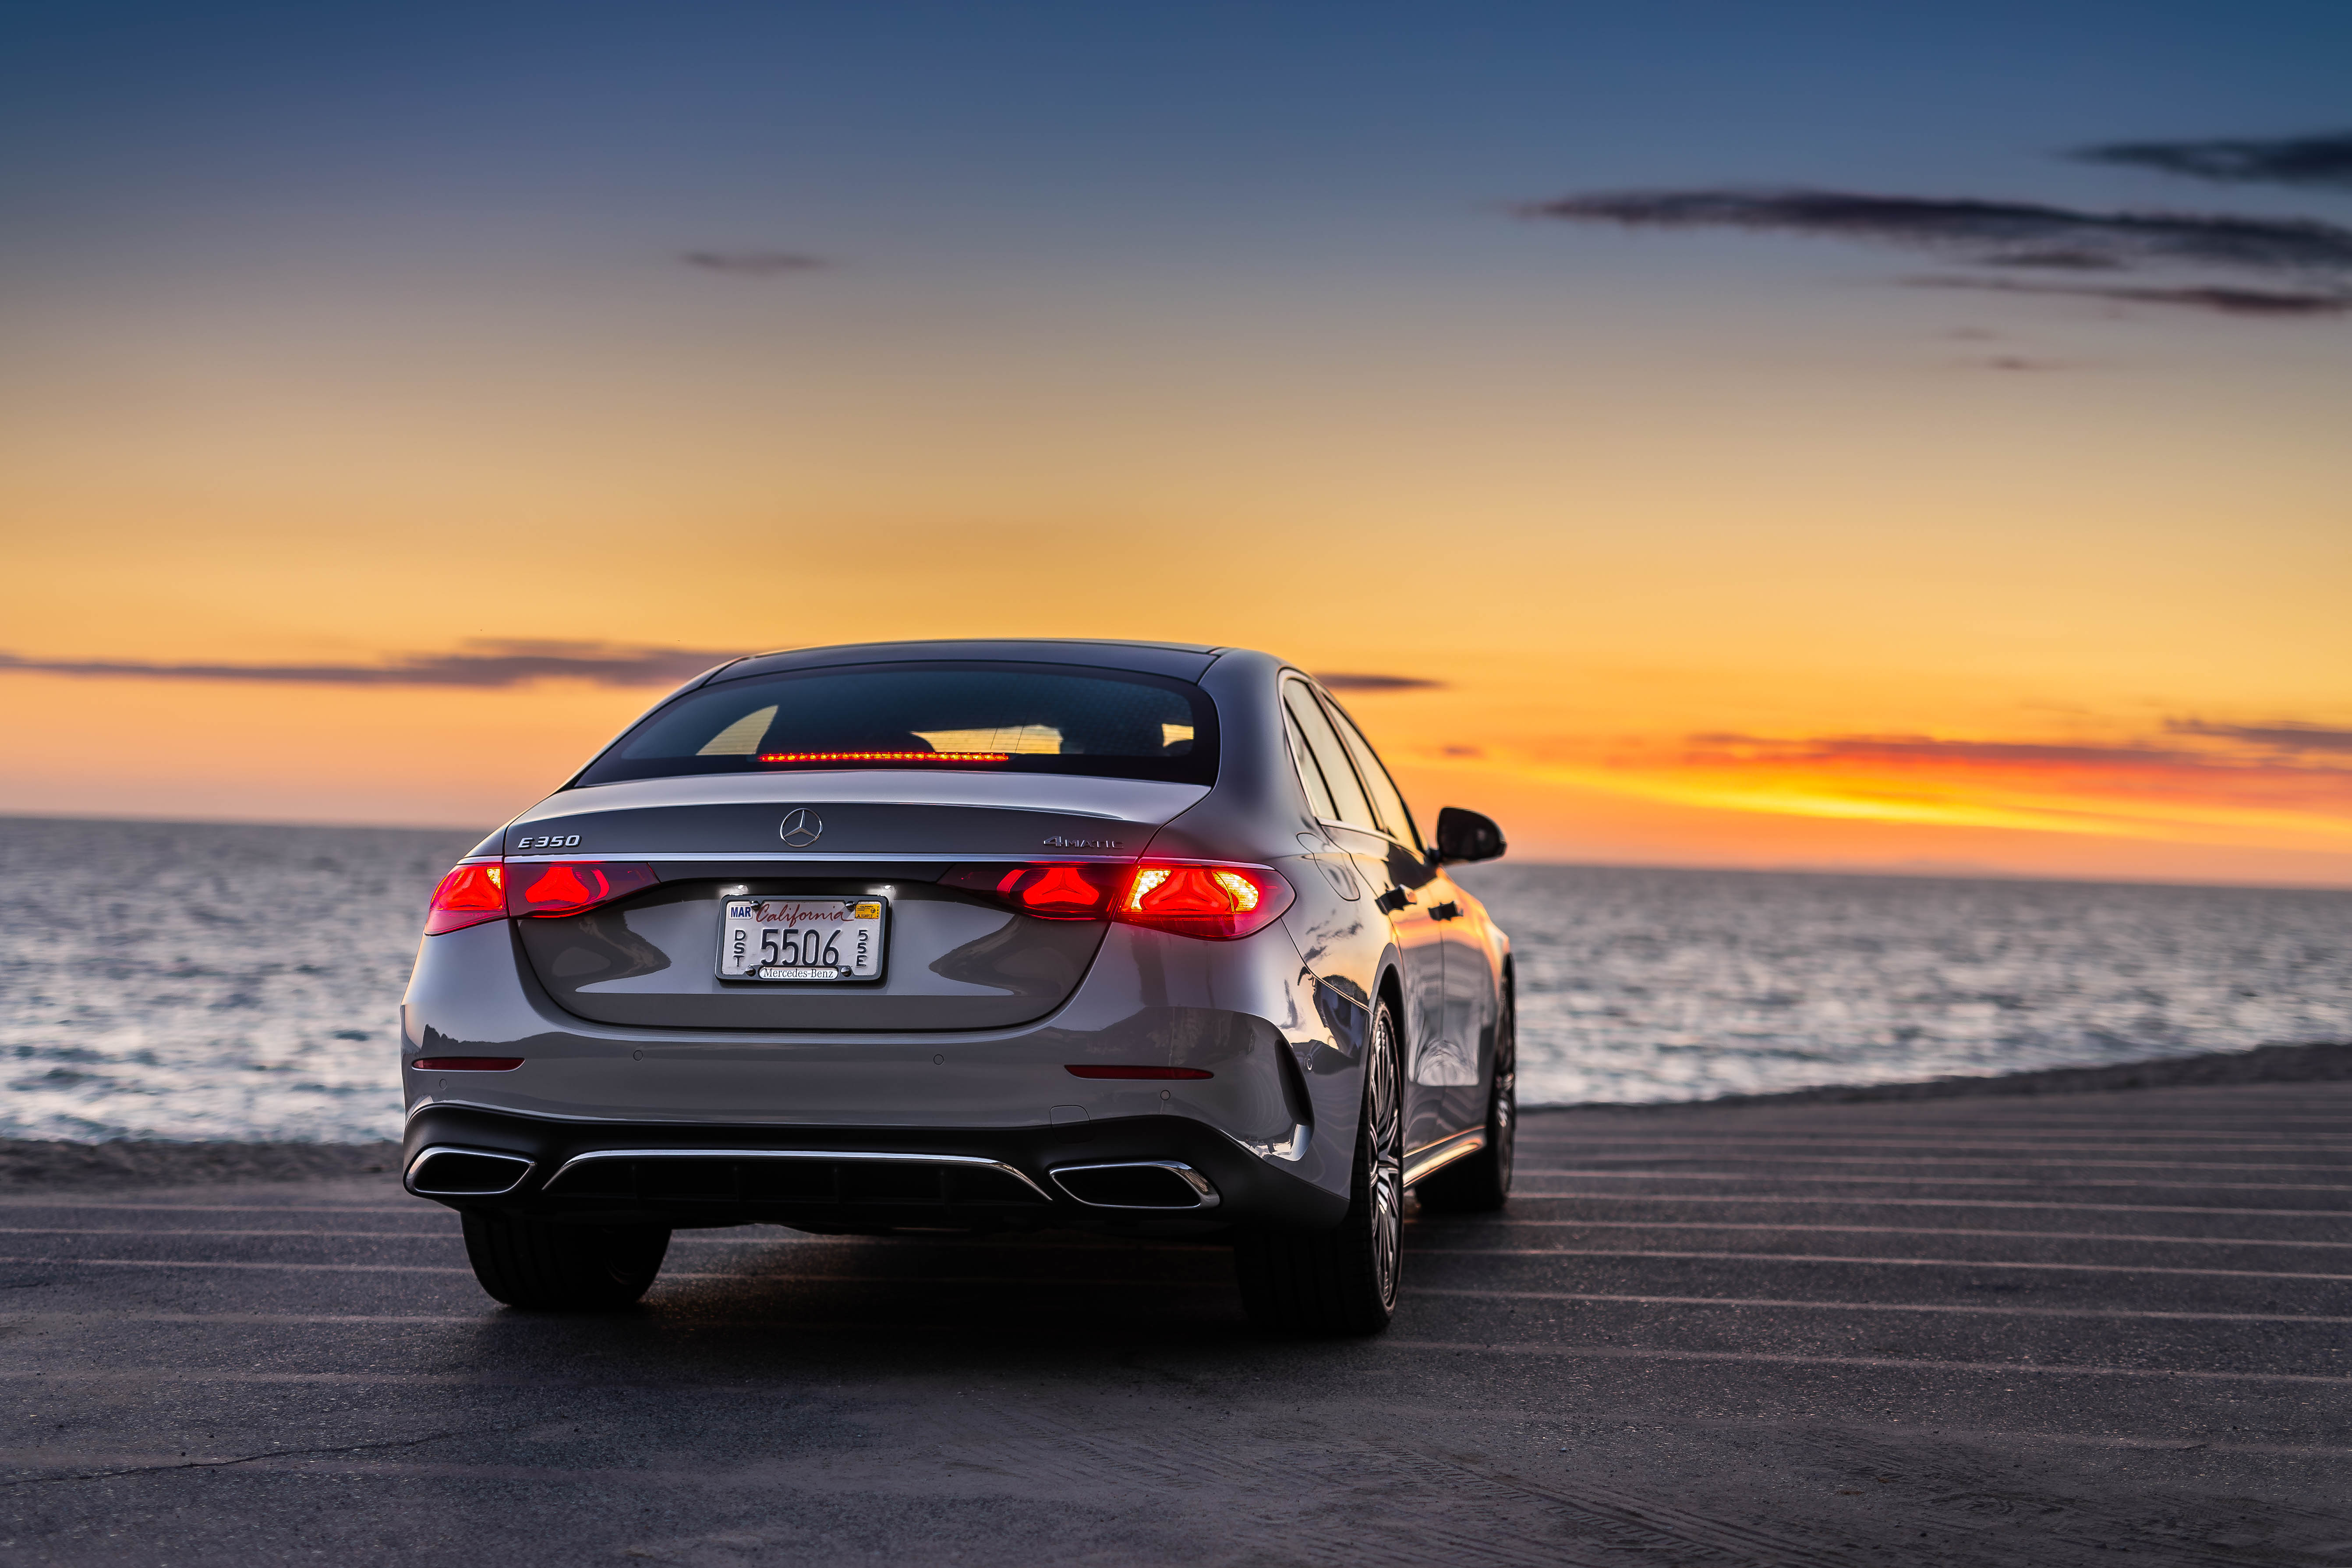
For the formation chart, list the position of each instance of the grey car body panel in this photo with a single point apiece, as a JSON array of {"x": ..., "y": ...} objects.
[
  {"x": 954, "y": 1055},
  {"x": 952, "y": 962}
]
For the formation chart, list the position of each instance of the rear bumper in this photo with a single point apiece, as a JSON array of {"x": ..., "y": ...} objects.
[
  {"x": 1149, "y": 1172},
  {"x": 1246, "y": 1016}
]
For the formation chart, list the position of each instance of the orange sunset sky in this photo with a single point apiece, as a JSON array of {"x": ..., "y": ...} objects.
[{"x": 395, "y": 405}]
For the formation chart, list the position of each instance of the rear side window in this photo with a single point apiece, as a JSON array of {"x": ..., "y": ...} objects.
[
  {"x": 1310, "y": 773},
  {"x": 1329, "y": 757},
  {"x": 995, "y": 717},
  {"x": 1386, "y": 799}
]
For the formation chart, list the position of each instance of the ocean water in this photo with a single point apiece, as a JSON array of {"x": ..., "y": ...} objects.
[
  {"x": 205, "y": 981},
  {"x": 171, "y": 980},
  {"x": 1639, "y": 984}
]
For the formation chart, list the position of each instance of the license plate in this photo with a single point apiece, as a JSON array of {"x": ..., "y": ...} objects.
[{"x": 802, "y": 939}]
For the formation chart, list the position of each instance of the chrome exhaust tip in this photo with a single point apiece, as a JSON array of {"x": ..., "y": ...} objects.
[
  {"x": 445, "y": 1173},
  {"x": 1137, "y": 1185}
]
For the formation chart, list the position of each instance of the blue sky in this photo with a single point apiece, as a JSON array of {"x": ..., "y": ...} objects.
[
  {"x": 1025, "y": 137},
  {"x": 360, "y": 337}
]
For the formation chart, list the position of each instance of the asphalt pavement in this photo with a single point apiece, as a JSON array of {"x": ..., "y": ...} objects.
[{"x": 2072, "y": 1329}]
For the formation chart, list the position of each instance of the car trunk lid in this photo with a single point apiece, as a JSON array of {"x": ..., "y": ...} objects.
[{"x": 953, "y": 959}]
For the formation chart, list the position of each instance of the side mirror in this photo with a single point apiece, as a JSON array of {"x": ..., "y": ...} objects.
[{"x": 1466, "y": 835}]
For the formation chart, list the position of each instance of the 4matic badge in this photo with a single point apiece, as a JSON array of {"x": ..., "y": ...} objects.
[
  {"x": 1058, "y": 842},
  {"x": 800, "y": 828}
]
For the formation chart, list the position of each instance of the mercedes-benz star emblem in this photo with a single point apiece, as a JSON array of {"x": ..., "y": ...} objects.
[{"x": 799, "y": 827}]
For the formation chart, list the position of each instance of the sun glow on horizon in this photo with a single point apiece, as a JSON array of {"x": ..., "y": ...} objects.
[{"x": 415, "y": 405}]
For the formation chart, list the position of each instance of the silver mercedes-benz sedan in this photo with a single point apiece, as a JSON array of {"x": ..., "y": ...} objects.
[{"x": 971, "y": 935}]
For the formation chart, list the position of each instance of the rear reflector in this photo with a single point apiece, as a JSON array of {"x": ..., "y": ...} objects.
[
  {"x": 466, "y": 1064},
  {"x": 1190, "y": 897},
  {"x": 467, "y": 897},
  {"x": 1076, "y": 1071}
]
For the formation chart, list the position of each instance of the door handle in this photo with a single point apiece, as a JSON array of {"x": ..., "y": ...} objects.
[
  {"x": 1392, "y": 900},
  {"x": 1448, "y": 910}
]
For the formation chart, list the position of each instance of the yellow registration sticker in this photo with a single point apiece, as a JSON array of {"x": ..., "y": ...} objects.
[{"x": 866, "y": 912}]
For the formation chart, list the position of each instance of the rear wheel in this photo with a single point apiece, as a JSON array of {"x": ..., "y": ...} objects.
[
  {"x": 1482, "y": 1183},
  {"x": 1341, "y": 1281},
  {"x": 563, "y": 1267}
]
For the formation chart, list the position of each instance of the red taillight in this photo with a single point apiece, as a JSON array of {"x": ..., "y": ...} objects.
[
  {"x": 1190, "y": 897},
  {"x": 472, "y": 894},
  {"x": 568, "y": 887},
  {"x": 466, "y": 1064},
  {"x": 467, "y": 896},
  {"x": 1052, "y": 891},
  {"x": 1194, "y": 898},
  {"x": 1061, "y": 890}
]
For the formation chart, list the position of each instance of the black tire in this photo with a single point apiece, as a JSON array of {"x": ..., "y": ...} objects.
[
  {"x": 1343, "y": 1280},
  {"x": 563, "y": 1267},
  {"x": 1482, "y": 1183}
]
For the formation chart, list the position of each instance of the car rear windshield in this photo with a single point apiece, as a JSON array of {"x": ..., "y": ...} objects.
[{"x": 994, "y": 717}]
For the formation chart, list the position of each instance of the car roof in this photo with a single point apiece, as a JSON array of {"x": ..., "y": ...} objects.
[{"x": 1184, "y": 661}]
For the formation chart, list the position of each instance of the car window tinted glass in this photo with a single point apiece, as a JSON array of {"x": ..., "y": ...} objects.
[
  {"x": 997, "y": 718},
  {"x": 1310, "y": 773},
  {"x": 1323, "y": 745},
  {"x": 1386, "y": 799}
]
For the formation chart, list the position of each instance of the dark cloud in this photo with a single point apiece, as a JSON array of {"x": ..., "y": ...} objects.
[
  {"x": 2218, "y": 299},
  {"x": 755, "y": 263},
  {"x": 2287, "y": 736},
  {"x": 2277, "y": 160},
  {"x": 480, "y": 664},
  {"x": 2018, "y": 234},
  {"x": 1379, "y": 683},
  {"x": 2062, "y": 261},
  {"x": 2019, "y": 362}
]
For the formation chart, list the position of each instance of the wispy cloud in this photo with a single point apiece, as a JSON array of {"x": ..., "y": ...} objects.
[
  {"x": 486, "y": 663},
  {"x": 755, "y": 263},
  {"x": 1360, "y": 682},
  {"x": 2286, "y": 736},
  {"x": 501, "y": 662},
  {"x": 2323, "y": 160},
  {"x": 2011, "y": 234},
  {"x": 2218, "y": 299}
]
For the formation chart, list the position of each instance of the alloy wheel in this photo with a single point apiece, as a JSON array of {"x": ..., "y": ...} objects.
[
  {"x": 1384, "y": 1129},
  {"x": 1507, "y": 1094}
]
